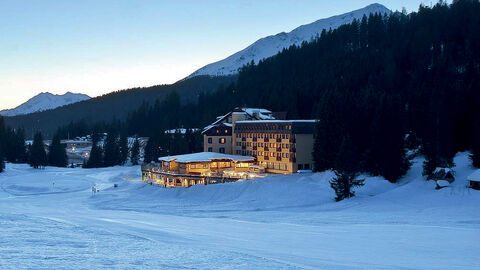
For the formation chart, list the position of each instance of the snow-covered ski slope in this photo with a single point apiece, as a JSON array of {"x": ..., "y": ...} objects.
[{"x": 49, "y": 219}]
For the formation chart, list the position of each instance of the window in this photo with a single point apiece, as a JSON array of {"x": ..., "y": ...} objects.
[
  {"x": 307, "y": 167},
  {"x": 222, "y": 140},
  {"x": 226, "y": 131},
  {"x": 209, "y": 149},
  {"x": 209, "y": 140},
  {"x": 222, "y": 150},
  {"x": 300, "y": 166}
]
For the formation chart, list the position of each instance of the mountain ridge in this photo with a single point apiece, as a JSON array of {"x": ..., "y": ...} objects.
[
  {"x": 271, "y": 45},
  {"x": 45, "y": 101}
]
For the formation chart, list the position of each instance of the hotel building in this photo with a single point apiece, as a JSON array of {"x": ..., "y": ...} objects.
[{"x": 280, "y": 146}]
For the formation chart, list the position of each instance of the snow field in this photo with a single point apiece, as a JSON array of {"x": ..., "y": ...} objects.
[{"x": 278, "y": 222}]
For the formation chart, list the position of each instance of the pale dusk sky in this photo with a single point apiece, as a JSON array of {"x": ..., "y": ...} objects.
[{"x": 96, "y": 46}]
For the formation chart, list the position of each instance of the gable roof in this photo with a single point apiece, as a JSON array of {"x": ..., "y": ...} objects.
[{"x": 254, "y": 113}]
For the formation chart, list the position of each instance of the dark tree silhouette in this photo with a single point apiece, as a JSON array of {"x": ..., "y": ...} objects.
[
  {"x": 57, "y": 155},
  {"x": 38, "y": 156}
]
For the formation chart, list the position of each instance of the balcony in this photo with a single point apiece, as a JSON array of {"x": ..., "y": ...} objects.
[
  {"x": 279, "y": 158},
  {"x": 293, "y": 140},
  {"x": 254, "y": 148},
  {"x": 265, "y": 139},
  {"x": 293, "y": 150},
  {"x": 266, "y": 158},
  {"x": 279, "y": 149},
  {"x": 266, "y": 148},
  {"x": 244, "y": 139},
  {"x": 279, "y": 140},
  {"x": 254, "y": 139}
]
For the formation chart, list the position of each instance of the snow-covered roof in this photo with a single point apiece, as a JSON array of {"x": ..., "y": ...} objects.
[
  {"x": 262, "y": 114},
  {"x": 256, "y": 113},
  {"x": 475, "y": 176},
  {"x": 276, "y": 121},
  {"x": 75, "y": 141},
  {"x": 205, "y": 129},
  {"x": 443, "y": 183},
  {"x": 440, "y": 169},
  {"x": 205, "y": 157},
  {"x": 180, "y": 130}
]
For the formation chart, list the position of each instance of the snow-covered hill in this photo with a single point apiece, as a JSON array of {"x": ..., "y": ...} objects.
[
  {"x": 45, "y": 101},
  {"x": 271, "y": 45}
]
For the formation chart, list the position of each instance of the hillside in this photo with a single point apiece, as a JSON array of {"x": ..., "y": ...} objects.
[
  {"x": 45, "y": 101},
  {"x": 115, "y": 105},
  {"x": 271, "y": 45}
]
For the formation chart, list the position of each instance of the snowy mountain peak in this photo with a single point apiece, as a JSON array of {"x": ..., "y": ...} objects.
[
  {"x": 271, "y": 45},
  {"x": 45, "y": 101}
]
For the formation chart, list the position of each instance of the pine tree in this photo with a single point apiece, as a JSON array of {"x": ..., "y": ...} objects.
[
  {"x": 438, "y": 144},
  {"x": 2, "y": 163},
  {"x": 475, "y": 151},
  {"x": 123, "y": 145},
  {"x": 96, "y": 157},
  {"x": 2, "y": 159},
  {"x": 2, "y": 144},
  {"x": 326, "y": 142},
  {"x": 135, "y": 153},
  {"x": 57, "y": 155},
  {"x": 112, "y": 155},
  {"x": 387, "y": 153},
  {"x": 38, "y": 156},
  {"x": 475, "y": 156},
  {"x": 346, "y": 171},
  {"x": 16, "y": 151},
  {"x": 152, "y": 152}
]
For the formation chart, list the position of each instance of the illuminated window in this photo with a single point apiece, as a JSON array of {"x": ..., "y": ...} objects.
[{"x": 222, "y": 140}]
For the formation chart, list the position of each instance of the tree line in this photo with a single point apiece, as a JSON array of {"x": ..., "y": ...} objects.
[
  {"x": 13, "y": 149},
  {"x": 115, "y": 151}
]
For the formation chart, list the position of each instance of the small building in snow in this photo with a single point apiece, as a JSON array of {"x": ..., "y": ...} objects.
[
  {"x": 442, "y": 174},
  {"x": 474, "y": 180}
]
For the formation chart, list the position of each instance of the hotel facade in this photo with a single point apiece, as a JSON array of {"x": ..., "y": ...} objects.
[
  {"x": 280, "y": 146},
  {"x": 243, "y": 144}
]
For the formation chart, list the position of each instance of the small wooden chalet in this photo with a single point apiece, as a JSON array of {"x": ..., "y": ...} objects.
[{"x": 474, "y": 180}]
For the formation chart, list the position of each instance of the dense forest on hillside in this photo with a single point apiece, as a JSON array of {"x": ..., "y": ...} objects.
[
  {"x": 383, "y": 85},
  {"x": 113, "y": 106}
]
